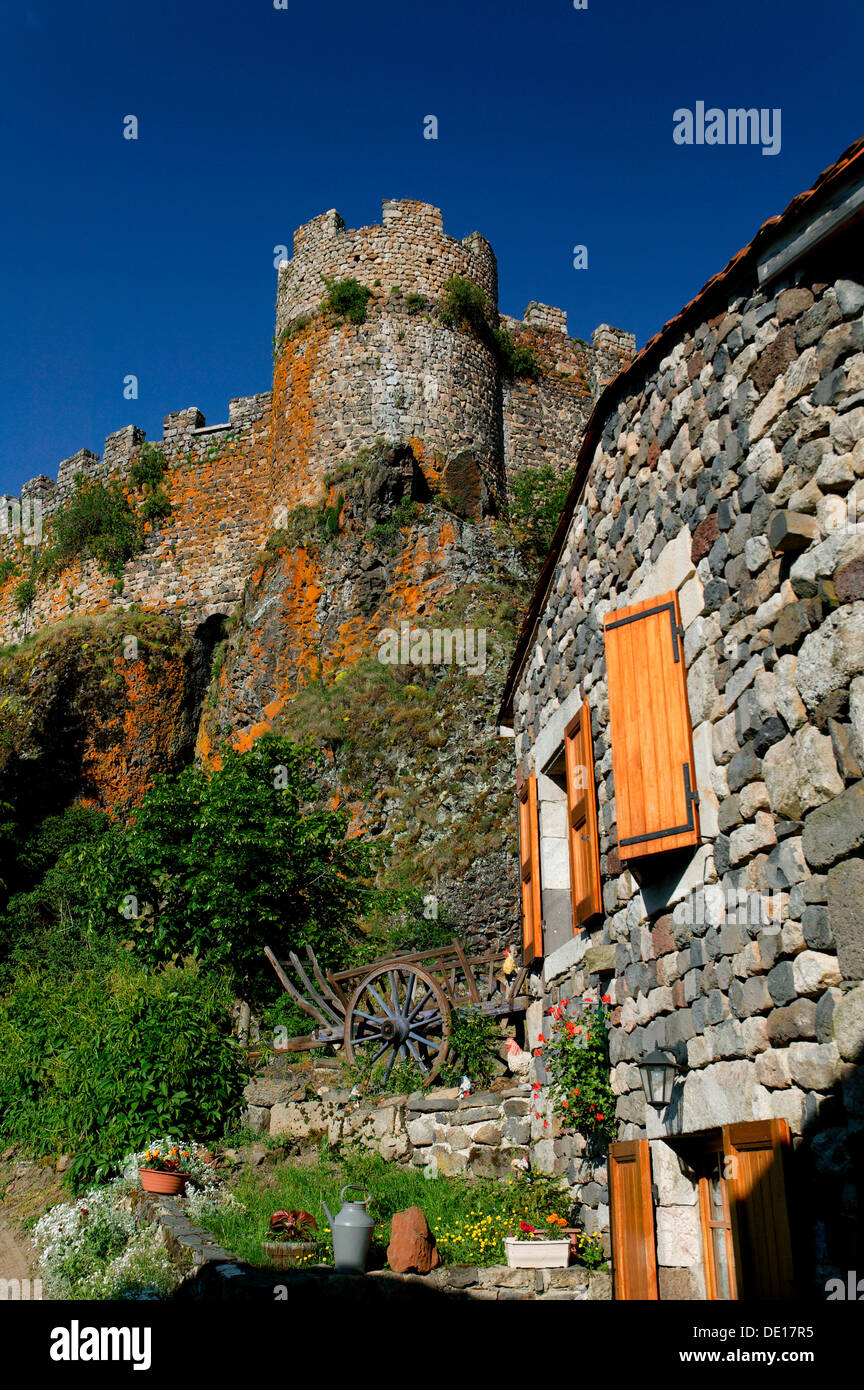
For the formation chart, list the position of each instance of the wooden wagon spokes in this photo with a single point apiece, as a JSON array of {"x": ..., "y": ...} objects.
[{"x": 401, "y": 1010}]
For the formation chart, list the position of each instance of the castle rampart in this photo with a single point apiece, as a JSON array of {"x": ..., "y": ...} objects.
[
  {"x": 409, "y": 251},
  {"x": 401, "y": 374}
]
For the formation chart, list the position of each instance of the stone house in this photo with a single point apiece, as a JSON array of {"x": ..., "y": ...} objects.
[{"x": 687, "y": 707}]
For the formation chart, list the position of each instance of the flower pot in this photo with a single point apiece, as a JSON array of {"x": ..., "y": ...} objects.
[
  {"x": 287, "y": 1252},
  {"x": 537, "y": 1254},
  {"x": 166, "y": 1184}
]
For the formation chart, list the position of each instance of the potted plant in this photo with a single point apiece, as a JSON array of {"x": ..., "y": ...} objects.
[
  {"x": 166, "y": 1173},
  {"x": 292, "y": 1241},
  {"x": 533, "y": 1249}
]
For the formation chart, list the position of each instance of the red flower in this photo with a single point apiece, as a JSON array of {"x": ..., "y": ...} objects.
[
  {"x": 540, "y": 1037},
  {"x": 538, "y": 1051},
  {"x": 600, "y": 1116},
  {"x": 606, "y": 999}
]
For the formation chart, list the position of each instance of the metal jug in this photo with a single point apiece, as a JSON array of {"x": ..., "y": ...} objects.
[{"x": 352, "y": 1232}]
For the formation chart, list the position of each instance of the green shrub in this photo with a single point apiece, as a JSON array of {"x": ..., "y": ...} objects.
[
  {"x": 415, "y": 303},
  {"x": 347, "y": 299},
  {"x": 93, "y": 1062},
  {"x": 219, "y": 864},
  {"x": 8, "y": 567},
  {"x": 147, "y": 475},
  {"x": 536, "y": 499},
  {"x": 473, "y": 1040},
  {"x": 149, "y": 469},
  {"x": 155, "y": 505},
  {"x": 513, "y": 359},
  {"x": 97, "y": 523},
  {"x": 25, "y": 593},
  {"x": 463, "y": 304}
]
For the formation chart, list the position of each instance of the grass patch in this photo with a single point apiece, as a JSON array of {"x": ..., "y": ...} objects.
[{"x": 469, "y": 1218}]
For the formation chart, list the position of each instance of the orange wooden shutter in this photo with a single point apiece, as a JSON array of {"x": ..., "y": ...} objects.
[
  {"x": 529, "y": 856},
  {"x": 585, "y": 892},
  {"x": 652, "y": 745},
  {"x": 634, "y": 1258},
  {"x": 760, "y": 1215}
]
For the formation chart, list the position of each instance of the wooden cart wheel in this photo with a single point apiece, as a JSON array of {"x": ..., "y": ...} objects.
[{"x": 402, "y": 1010}]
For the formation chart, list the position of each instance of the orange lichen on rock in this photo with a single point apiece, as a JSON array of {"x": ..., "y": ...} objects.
[{"x": 126, "y": 745}]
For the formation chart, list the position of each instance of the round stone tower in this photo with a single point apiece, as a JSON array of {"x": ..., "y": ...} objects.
[{"x": 401, "y": 374}]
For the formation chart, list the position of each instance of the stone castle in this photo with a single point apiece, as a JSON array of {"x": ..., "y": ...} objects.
[
  {"x": 401, "y": 375},
  {"x": 405, "y": 428}
]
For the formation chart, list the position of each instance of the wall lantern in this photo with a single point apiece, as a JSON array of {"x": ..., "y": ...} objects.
[{"x": 658, "y": 1077}]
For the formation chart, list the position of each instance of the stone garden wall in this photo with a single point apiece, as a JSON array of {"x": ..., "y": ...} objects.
[
  {"x": 731, "y": 471},
  {"x": 482, "y": 1136}
]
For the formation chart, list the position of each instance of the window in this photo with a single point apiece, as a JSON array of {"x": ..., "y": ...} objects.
[
  {"x": 746, "y": 1241},
  {"x": 716, "y": 1221},
  {"x": 529, "y": 864},
  {"x": 652, "y": 747}
]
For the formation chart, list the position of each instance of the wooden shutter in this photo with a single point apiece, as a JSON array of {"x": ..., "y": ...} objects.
[
  {"x": 759, "y": 1211},
  {"x": 529, "y": 858},
  {"x": 652, "y": 745},
  {"x": 634, "y": 1258},
  {"x": 585, "y": 892}
]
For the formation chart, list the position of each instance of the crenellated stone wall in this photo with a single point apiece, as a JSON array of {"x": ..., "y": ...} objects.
[{"x": 402, "y": 375}]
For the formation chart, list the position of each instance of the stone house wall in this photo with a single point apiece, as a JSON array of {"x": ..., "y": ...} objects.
[{"x": 747, "y": 962}]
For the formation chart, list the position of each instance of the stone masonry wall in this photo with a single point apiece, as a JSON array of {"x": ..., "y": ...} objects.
[
  {"x": 401, "y": 375},
  {"x": 482, "y": 1136},
  {"x": 747, "y": 963},
  {"x": 196, "y": 561}
]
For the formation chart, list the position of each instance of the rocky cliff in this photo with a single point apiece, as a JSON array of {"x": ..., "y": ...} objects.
[{"x": 333, "y": 562}]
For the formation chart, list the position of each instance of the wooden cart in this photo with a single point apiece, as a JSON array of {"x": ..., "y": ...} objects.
[{"x": 402, "y": 1005}]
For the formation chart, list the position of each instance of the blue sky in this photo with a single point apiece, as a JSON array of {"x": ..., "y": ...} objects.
[{"x": 155, "y": 257}]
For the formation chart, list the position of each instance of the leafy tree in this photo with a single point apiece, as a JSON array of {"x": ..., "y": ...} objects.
[
  {"x": 45, "y": 914},
  {"x": 217, "y": 864}
]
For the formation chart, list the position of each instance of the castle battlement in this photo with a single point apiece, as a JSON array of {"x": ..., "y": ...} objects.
[
  {"x": 403, "y": 374},
  {"x": 179, "y": 428},
  {"x": 408, "y": 249}
]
